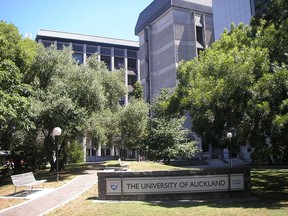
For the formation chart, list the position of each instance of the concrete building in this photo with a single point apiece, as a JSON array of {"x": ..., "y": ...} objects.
[
  {"x": 116, "y": 53},
  {"x": 226, "y": 12},
  {"x": 170, "y": 31}
]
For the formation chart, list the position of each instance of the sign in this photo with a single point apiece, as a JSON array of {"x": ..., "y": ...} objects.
[{"x": 179, "y": 184}]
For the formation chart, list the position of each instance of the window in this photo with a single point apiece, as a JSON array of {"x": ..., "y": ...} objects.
[
  {"x": 87, "y": 152},
  {"x": 132, "y": 64},
  {"x": 199, "y": 50},
  {"x": 107, "y": 61},
  {"x": 105, "y": 51},
  {"x": 47, "y": 43},
  {"x": 60, "y": 45},
  {"x": 119, "y": 52},
  {"x": 132, "y": 80},
  {"x": 118, "y": 63},
  {"x": 199, "y": 35},
  {"x": 78, "y": 57}
]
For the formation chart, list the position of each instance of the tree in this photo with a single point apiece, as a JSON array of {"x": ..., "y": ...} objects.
[
  {"x": 16, "y": 55},
  {"x": 71, "y": 96},
  {"x": 137, "y": 90},
  {"x": 167, "y": 138},
  {"x": 133, "y": 125},
  {"x": 226, "y": 89}
]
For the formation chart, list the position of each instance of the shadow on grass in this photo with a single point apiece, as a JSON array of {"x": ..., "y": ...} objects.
[{"x": 70, "y": 170}]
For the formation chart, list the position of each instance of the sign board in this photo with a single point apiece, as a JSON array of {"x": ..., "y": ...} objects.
[{"x": 179, "y": 184}]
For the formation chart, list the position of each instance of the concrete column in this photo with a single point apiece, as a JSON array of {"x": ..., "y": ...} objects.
[
  {"x": 84, "y": 54},
  {"x": 138, "y": 66},
  {"x": 84, "y": 139},
  {"x": 112, "y": 59},
  {"x": 98, "y": 152},
  {"x": 112, "y": 151},
  {"x": 126, "y": 73},
  {"x": 99, "y": 53}
]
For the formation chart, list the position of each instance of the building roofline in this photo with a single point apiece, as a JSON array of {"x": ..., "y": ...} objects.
[
  {"x": 85, "y": 37},
  {"x": 158, "y": 7}
]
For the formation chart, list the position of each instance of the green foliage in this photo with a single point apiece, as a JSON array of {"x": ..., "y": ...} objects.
[
  {"x": 75, "y": 152},
  {"x": 16, "y": 55},
  {"x": 240, "y": 84},
  {"x": 133, "y": 124},
  {"x": 137, "y": 90},
  {"x": 167, "y": 138}
]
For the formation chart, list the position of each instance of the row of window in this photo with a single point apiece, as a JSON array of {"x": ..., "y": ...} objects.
[{"x": 90, "y": 49}]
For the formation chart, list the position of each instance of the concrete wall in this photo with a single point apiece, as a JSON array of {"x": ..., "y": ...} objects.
[{"x": 102, "y": 176}]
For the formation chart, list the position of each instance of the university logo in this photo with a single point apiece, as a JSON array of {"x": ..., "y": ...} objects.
[{"x": 113, "y": 186}]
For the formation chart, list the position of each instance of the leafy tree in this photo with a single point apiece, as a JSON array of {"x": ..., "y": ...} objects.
[
  {"x": 72, "y": 97},
  {"x": 168, "y": 139},
  {"x": 133, "y": 124},
  {"x": 137, "y": 90},
  {"x": 16, "y": 55},
  {"x": 235, "y": 86}
]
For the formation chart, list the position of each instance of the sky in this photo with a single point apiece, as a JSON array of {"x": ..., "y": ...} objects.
[{"x": 106, "y": 18}]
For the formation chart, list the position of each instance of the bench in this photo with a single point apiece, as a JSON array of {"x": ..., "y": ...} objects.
[
  {"x": 26, "y": 180},
  {"x": 122, "y": 164}
]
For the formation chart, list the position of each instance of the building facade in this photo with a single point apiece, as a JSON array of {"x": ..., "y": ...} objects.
[
  {"x": 170, "y": 31},
  {"x": 226, "y": 12},
  {"x": 116, "y": 53}
]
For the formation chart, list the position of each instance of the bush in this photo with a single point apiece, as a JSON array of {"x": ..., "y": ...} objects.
[{"x": 75, "y": 152}]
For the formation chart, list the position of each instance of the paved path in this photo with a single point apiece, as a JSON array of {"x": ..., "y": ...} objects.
[{"x": 54, "y": 199}]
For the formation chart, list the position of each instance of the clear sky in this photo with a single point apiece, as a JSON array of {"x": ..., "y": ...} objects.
[{"x": 107, "y": 18}]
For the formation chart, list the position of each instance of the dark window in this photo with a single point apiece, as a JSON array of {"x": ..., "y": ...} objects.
[
  {"x": 118, "y": 63},
  {"x": 60, "y": 45},
  {"x": 132, "y": 64},
  {"x": 132, "y": 54},
  {"x": 199, "y": 50},
  {"x": 47, "y": 43},
  {"x": 107, "y": 61},
  {"x": 87, "y": 152},
  {"x": 119, "y": 52},
  {"x": 93, "y": 152},
  {"x": 78, "y": 57},
  {"x": 77, "y": 47},
  {"x": 107, "y": 152},
  {"x": 132, "y": 80},
  {"x": 91, "y": 49},
  {"x": 105, "y": 51},
  {"x": 199, "y": 35}
]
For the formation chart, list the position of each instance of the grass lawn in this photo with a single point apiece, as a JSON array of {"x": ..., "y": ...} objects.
[{"x": 270, "y": 197}]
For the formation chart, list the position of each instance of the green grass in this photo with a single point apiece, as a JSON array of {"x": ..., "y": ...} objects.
[{"x": 269, "y": 197}]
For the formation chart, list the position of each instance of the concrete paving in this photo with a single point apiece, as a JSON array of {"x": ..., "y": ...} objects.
[{"x": 42, "y": 204}]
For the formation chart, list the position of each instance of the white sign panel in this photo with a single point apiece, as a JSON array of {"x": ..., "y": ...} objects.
[{"x": 179, "y": 184}]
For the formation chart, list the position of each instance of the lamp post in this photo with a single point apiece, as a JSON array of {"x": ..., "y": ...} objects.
[
  {"x": 229, "y": 137},
  {"x": 56, "y": 132}
]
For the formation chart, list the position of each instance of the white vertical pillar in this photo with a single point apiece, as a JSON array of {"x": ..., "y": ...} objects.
[
  {"x": 112, "y": 59},
  {"x": 98, "y": 152},
  {"x": 84, "y": 139},
  {"x": 84, "y": 54},
  {"x": 112, "y": 151},
  {"x": 99, "y": 53},
  {"x": 126, "y": 73}
]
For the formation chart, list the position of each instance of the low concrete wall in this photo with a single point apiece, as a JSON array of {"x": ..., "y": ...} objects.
[{"x": 117, "y": 180}]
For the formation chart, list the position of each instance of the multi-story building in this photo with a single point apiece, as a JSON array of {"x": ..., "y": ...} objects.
[
  {"x": 116, "y": 53},
  {"x": 170, "y": 31},
  {"x": 226, "y": 12}
]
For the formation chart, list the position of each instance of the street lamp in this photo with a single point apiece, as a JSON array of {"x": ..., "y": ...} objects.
[
  {"x": 229, "y": 136},
  {"x": 56, "y": 132}
]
